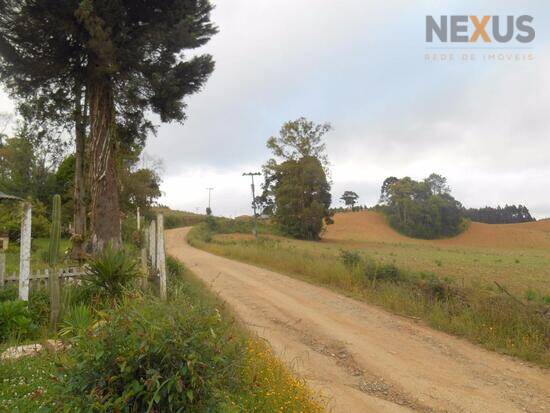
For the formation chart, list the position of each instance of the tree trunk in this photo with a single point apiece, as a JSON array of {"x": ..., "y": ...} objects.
[
  {"x": 79, "y": 235},
  {"x": 105, "y": 211}
]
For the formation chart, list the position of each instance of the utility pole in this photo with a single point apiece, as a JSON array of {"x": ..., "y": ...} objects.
[
  {"x": 209, "y": 197},
  {"x": 252, "y": 175}
]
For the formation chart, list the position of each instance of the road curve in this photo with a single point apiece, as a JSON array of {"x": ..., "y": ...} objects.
[{"x": 361, "y": 357}]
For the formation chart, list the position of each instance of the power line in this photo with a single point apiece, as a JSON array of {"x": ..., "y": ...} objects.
[{"x": 252, "y": 175}]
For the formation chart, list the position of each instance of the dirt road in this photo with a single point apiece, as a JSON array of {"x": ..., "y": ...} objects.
[{"x": 361, "y": 357}]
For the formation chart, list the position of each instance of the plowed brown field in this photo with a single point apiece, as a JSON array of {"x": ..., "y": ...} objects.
[{"x": 372, "y": 226}]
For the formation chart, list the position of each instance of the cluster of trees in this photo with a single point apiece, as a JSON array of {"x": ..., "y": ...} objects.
[
  {"x": 36, "y": 166},
  {"x": 355, "y": 208},
  {"x": 296, "y": 191},
  {"x": 510, "y": 214},
  {"x": 350, "y": 198},
  {"x": 422, "y": 209},
  {"x": 93, "y": 69}
]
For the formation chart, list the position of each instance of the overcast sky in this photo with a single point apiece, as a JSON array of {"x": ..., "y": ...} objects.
[{"x": 361, "y": 66}]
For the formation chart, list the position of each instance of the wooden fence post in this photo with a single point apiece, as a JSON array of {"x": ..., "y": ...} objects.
[
  {"x": 25, "y": 256},
  {"x": 153, "y": 244},
  {"x": 161, "y": 259},
  {"x": 144, "y": 267},
  {"x": 2, "y": 268}
]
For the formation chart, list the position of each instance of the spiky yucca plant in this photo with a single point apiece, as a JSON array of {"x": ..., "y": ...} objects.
[{"x": 111, "y": 272}]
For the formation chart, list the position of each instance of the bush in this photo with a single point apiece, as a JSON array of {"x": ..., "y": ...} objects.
[
  {"x": 377, "y": 271},
  {"x": 152, "y": 355},
  {"x": 8, "y": 293},
  {"x": 111, "y": 273},
  {"x": 39, "y": 305},
  {"x": 15, "y": 320},
  {"x": 351, "y": 259}
]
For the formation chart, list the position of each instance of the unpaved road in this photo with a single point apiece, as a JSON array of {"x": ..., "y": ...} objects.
[{"x": 361, "y": 357}]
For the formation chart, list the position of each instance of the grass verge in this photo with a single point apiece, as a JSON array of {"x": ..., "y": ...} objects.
[
  {"x": 185, "y": 354},
  {"x": 493, "y": 319}
]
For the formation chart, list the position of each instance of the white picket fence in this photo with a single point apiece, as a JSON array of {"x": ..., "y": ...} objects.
[
  {"x": 41, "y": 278},
  {"x": 154, "y": 250}
]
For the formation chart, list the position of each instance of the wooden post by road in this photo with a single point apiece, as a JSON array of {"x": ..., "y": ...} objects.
[
  {"x": 25, "y": 256},
  {"x": 153, "y": 244},
  {"x": 2, "y": 268},
  {"x": 143, "y": 258},
  {"x": 161, "y": 259}
]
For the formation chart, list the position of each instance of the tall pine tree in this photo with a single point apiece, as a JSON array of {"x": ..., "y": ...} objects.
[{"x": 120, "y": 58}]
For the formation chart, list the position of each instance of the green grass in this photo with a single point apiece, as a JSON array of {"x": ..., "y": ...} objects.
[
  {"x": 145, "y": 349},
  {"x": 28, "y": 384},
  {"x": 467, "y": 309},
  {"x": 39, "y": 250},
  {"x": 178, "y": 219},
  {"x": 519, "y": 270}
]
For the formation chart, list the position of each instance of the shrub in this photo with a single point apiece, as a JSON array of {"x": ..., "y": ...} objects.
[
  {"x": 15, "y": 320},
  {"x": 113, "y": 271},
  {"x": 8, "y": 293},
  {"x": 376, "y": 271},
  {"x": 155, "y": 356},
  {"x": 39, "y": 305},
  {"x": 435, "y": 288},
  {"x": 351, "y": 259}
]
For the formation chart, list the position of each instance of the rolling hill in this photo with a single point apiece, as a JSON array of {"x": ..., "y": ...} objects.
[{"x": 368, "y": 226}]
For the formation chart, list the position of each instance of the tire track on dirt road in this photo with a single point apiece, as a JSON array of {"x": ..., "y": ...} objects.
[{"x": 361, "y": 357}]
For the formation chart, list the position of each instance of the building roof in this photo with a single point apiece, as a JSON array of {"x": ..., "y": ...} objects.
[{"x": 6, "y": 196}]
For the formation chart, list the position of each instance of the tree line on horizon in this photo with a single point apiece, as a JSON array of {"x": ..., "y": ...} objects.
[
  {"x": 509, "y": 214},
  {"x": 426, "y": 209}
]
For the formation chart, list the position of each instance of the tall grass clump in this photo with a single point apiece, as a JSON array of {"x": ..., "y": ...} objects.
[{"x": 494, "y": 319}]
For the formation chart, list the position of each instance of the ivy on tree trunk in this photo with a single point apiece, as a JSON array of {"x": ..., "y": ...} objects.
[{"x": 105, "y": 209}]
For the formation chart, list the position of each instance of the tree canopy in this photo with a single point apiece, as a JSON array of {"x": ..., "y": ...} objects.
[
  {"x": 422, "y": 209},
  {"x": 510, "y": 214},
  {"x": 296, "y": 189},
  {"x": 115, "y": 60},
  {"x": 350, "y": 198}
]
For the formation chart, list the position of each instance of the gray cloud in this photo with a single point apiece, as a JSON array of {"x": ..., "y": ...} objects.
[
  {"x": 360, "y": 65},
  {"x": 483, "y": 125}
]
